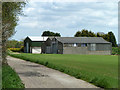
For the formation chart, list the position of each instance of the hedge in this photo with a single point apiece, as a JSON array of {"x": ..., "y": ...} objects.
[
  {"x": 17, "y": 49},
  {"x": 115, "y": 50}
]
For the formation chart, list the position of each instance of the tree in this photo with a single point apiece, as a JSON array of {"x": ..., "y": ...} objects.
[
  {"x": 10, "y": 12},
  {"x": 98, "y": 35},
  {"x": 91, "y": 34},
  {"x": 48, "y": 33},
  {"x": 84, "y": 33},
  {"x": 14, "y": 44},
  {"x": 105, "y": 36},
  {"x": 78, "y": 34},
  {"x": 112, "y": 39}
]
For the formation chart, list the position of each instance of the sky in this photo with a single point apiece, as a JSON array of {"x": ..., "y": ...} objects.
[{"x": 67, "y": 18}]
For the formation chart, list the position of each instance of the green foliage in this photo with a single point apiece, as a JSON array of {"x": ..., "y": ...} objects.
[
  {"x": 48, "y": 33},
  {"x": 14, "y": 44},
  {"x": 91, "y": 34},
  {"x": 10, "y": 79},
  {"x": 112, "y": 39},
  {"x": 22, "y": 48},
  {"x": 10, "y": 12},
  {"x": 101, "y": 70},
  {"x": 10, "y": 17},
  {"x": 115, "y": 51},
  {"x": 84, "y": 33},
  {"x": 98, "y": 35},
  {"x": 105, "y": 36},
  {"x": 78, "y": 34}
]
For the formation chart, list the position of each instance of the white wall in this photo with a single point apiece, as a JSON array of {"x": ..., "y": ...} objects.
[{"x": 36, "y": 49}]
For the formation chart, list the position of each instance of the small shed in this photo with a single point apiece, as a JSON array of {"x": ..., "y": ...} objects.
[{"x": 33, "y": 44}]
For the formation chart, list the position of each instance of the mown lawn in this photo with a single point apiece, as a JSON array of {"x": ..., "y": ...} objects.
[
  {"x": 10, "y": 79},
  {"x": 101, "y": 70}
]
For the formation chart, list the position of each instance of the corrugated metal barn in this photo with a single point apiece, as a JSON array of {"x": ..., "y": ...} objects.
[
  {"x": 33, "y": 44},
  {"x": 77, "y": 45}
]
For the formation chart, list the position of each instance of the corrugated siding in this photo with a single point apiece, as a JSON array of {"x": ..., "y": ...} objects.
[
  {"x": 60, "y": 48},
  {"x": 75, "y": 50},
  {"x": 103, "y": 47}
]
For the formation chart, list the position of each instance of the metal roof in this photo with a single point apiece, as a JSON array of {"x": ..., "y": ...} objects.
[
  {"x": 81, "y": 40},
  {"x": 34, "y": 38}
]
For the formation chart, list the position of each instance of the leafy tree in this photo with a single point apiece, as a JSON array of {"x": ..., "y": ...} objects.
[
  {"x": 10, "y": 12},
  {"x": 98, "y": 35},
  {"x": 57, "y": 34},
  {"x": 112, "y": 39},
  {"x": 91, "y": 34},
  {"x": 105, "y": 36},
  {"x": 48, "y": 33},
  {"x": 14, "y": 44},
  {"x": 84, "y": 33},
  {"x": 78, "y": 34}
]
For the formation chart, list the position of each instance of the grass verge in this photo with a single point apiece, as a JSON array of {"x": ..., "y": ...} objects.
[{"x": 10, "y": 79}]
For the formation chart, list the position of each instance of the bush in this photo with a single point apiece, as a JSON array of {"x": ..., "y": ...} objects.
[
  {"x": 22, "y": 48},
  {"x": 115, "y": 51},
  {"x": 17, "y": 49}
]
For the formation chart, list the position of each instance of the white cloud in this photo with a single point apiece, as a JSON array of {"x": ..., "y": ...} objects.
[
  {"x": 73, "y": 0},
  {"x": 30, "y": 24},
  {"x": 29, "y": 10},
  {"x": 113, "y": 22}
]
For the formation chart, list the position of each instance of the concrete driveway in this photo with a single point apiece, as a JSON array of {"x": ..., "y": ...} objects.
[{"x": 38, "y": 76}]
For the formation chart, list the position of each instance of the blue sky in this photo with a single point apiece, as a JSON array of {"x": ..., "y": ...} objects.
[{"x": 67, "y": 18}]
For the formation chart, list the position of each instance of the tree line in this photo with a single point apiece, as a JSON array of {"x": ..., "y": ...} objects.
[
  {"x": 14, "y": 44},
  {"x": 110, "y": 37},
  {"x": 83, "y": 33}
]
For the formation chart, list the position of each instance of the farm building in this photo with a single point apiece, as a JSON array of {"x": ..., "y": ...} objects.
[
  {"x": 33, "y": 44},
  {"x": 77, "y": 45}
]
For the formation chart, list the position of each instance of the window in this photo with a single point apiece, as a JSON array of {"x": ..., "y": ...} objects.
[
  {"x": 93, "y": 47},
  {"x": 70, "y": 45},
  {"x": 83, "y": 45}
]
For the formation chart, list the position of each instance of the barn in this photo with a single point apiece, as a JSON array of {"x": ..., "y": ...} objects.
[
  {"x": 77, "y": 45},
  {"x": 33, "y": 44}
]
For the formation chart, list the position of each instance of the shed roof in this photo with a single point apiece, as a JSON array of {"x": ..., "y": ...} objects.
[
  {"x": 34, "y": 38},
  {"x": 81, "y": 40}
]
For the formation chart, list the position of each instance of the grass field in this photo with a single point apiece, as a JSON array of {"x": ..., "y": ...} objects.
[
  {"x": 101, "y": 70},
  {"x": 10, "y": 79}
]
